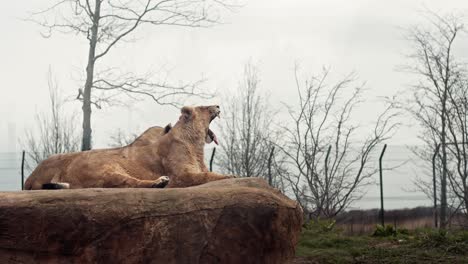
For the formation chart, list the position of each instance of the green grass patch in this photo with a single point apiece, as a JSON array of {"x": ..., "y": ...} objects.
[{"x": 322, "y": 242}]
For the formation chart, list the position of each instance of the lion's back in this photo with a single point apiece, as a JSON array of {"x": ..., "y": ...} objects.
[{"x": 150, "y": 136}]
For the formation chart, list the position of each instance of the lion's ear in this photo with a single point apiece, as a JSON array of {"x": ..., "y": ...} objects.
[
  {"x": 187, "y": 112},
  {"x": 167, "y": 128}
]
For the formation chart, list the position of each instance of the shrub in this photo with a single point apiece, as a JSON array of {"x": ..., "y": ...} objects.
[
  {"x": 320, "y": 225},
  {"x": 434, "y": 238},
  {"x": 384, "y": 231}
]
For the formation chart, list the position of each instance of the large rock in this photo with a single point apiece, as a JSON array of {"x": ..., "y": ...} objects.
[{"x": 228, "y": 221}]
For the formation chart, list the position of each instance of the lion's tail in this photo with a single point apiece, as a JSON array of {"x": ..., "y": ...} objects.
[{"x": 55, "y": 186}]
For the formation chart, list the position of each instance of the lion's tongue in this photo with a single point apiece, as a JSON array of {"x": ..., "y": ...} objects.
[{"x": 212, "y": 136}]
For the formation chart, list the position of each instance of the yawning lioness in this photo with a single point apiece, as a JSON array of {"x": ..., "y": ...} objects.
[{"x": 176, "y": 158}]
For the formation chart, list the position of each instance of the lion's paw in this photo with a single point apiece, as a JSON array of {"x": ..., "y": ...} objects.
[{"x": 161, "y": 182}]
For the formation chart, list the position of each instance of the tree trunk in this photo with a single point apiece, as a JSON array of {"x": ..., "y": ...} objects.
[{"x": 86, "y": 139}]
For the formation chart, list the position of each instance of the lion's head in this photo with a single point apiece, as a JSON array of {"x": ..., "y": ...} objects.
[{"x": 196, "y": 120}]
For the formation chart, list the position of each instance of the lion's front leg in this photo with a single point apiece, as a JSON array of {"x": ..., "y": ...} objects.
[
  {"x": 116, "y": 180},
  {"x": 212, "y": 176},
  {"x": 196, "y": 178}
]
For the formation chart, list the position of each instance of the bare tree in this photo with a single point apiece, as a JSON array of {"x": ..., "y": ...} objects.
[
  {"x": 249, "y": 137},
  {"x": 55, "y": 131},
  {"x": 433, "y": 102},
  {"x": 329, "y": 164},
  {"x": 121, "y": 139},
  {"x": 457, "y": 155},
  {"x": 107, "y": 23},
  {"x": 458, "y": 135}
]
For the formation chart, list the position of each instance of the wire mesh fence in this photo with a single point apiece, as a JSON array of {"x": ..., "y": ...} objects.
[
  {"x": 398, "y": 182},
  {"x": 399, "y": 191},
  {"x": 10, "y": 171}
]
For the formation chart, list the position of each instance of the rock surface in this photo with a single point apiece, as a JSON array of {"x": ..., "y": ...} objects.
[{"x": 228, "y": 221}]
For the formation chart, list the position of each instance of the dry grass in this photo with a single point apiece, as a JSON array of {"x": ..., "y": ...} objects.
[
  {"x": 360, "y": 222},
  {"x": 320, "y": 244}
]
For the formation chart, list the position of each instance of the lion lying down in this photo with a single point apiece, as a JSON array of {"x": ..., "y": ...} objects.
[
  {"x": 151, "y": 135},
  {"x": 172, "y": 156}
]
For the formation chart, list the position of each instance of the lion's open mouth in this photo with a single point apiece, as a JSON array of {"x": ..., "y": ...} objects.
[{"x": 211, "y": 136}]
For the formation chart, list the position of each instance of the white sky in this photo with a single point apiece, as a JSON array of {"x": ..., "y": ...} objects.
[{"x": 364, "y": 36}]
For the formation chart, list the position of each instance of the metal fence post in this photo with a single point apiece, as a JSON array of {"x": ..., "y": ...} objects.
[
  {"x": 22, "y": 170},
  {"x": 212, "y": 158},
  {"x": 434, "y": 183},
  {"x": 382, "y": 219},
  {"x": 270, "y": 158}
]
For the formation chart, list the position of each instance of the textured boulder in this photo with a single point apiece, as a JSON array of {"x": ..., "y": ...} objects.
[{"x": 228, "y": 221}]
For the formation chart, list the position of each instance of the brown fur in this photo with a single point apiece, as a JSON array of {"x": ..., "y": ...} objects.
[
  {"x": 178, "y": 154},
  {"x": 151, "y": 135}
]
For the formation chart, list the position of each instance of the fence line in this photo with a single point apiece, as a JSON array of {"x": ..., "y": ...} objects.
[{"x": 13, "y": 172}]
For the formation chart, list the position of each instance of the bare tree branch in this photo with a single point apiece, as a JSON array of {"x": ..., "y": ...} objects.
[
  {"x": 54, "y": 132},
  {"x": 439, "y": 105},
  {"x": 248, "y": 133},
  {"x": 105, "y": 24},
  {"x": 329, "y": 169}
]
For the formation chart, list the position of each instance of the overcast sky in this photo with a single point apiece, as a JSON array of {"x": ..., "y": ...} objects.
[{"x": 361, "y": 36}]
